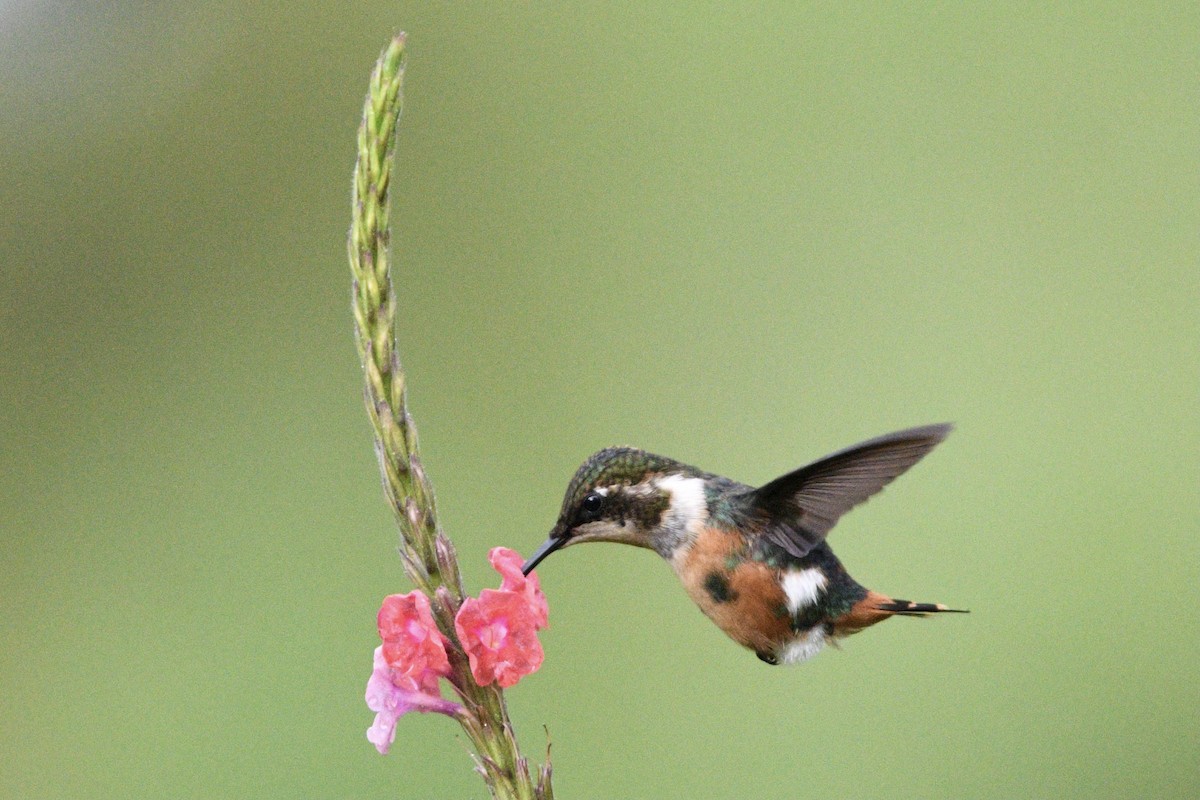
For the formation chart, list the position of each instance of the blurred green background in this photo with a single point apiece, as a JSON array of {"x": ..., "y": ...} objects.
[{"x": 740, "y": 238}]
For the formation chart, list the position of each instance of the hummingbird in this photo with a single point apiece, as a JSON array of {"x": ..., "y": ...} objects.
[{"x": 754, "y": 560}]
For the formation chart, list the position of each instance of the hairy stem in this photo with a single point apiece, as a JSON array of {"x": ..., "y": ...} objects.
[{"x": 427, "y": 553}]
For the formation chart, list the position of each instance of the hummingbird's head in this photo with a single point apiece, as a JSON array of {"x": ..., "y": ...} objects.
[{"x": 622, "y": 494}]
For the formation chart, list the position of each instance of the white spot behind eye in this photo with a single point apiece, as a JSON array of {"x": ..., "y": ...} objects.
[{"x": 688, "y": 503}]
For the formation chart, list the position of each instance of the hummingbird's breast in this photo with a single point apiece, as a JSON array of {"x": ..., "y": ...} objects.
[{"x": 743, "y": 596}]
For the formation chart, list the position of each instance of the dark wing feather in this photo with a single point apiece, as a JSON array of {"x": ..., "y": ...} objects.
[{"x": 804, "y": 505}]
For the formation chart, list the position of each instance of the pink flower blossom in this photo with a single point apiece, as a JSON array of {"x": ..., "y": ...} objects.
[
  {"x": 390, "y": 702},
  {"x": 508, "y": 563},
  {"x": 498, "y": 630},
  {"x": 413, "y": 646}
]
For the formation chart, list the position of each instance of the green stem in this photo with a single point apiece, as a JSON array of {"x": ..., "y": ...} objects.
[{"x": 427, "y": 553}]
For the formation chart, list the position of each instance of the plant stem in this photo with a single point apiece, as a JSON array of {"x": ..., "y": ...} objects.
[{"x": 427, "y": 553}]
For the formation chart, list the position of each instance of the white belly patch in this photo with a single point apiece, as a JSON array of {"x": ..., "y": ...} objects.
[{"x": 803, "y": 647}]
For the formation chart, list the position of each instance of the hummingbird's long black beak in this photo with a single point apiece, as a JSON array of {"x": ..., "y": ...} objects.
[{"x": 548, "y": 547}]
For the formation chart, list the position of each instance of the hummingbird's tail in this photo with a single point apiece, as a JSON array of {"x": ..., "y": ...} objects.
[
  {"x": 876, "y": 607},
  {"x": 908, "y": 608}
]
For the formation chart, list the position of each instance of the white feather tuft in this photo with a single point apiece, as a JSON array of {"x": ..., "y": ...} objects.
[
  {"x": 803, "y": 647},
  {"x": 803, "y": 587},
  {"x": 688, "y": 503}
]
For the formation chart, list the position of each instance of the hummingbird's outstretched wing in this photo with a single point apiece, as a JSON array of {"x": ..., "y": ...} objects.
[{"x": 804, "y": 505}]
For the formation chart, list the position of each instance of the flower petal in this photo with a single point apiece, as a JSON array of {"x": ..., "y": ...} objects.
[
  {"x": 412, "y": 644},
  {"x": 508, "y": 563},
  {"x": 390, "y": 702},
  {"x": 498, "y": 630}
]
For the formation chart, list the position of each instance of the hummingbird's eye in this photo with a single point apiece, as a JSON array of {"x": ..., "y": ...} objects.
[{"x": 589, "y": 509}]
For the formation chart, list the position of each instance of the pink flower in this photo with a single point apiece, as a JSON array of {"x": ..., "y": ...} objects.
[
  {"x": 390, "y": 702},
  {"x": 413, "y": 646},
  {"x": 499, "y": 629},
  {"x": 499, "y": 633},
  {"x": 508, "y": 563}
]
